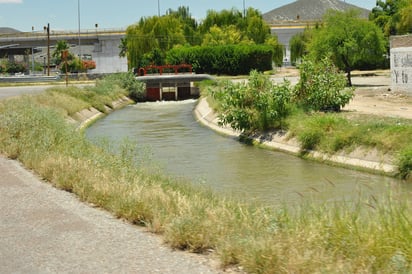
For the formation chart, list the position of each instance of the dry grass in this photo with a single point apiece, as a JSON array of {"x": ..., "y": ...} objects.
[{"x": 361, "y": 237}]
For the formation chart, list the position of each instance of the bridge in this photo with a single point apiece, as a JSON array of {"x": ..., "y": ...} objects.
[{"x": 100, "y": 45}]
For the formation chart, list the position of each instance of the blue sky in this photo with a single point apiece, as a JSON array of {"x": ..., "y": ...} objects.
[{"x": 108, "y": 14}]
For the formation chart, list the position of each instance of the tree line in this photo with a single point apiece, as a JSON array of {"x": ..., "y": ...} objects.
[{"x": 159, "y": 40}]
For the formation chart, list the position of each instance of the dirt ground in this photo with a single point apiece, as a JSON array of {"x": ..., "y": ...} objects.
[
  {"x": 373, "y": 94},
  {"x": 381, "y": 101}
]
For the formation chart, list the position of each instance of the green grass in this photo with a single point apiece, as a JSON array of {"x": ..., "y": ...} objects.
[
  {"x": 360, "y": 237},
  {"x": 334, "y": 132}
]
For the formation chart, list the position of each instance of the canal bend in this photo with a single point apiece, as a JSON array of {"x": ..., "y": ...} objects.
[{"x": 172, "y": 139}]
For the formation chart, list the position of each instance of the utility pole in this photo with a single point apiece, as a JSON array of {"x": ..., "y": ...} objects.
[
  {"x": 32, "y": 53},
  {"x": 158, "y": 7},
  {"x": 244, "y": 9},
  {"x": 48, "y": 47},
  {"x": 78, "y": 16}
]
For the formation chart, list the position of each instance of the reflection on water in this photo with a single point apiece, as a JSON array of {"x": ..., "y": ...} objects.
[{"x": 183, "y": 148}]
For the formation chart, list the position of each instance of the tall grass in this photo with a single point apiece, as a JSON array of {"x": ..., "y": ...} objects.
[
  {"x": 361, "y": 237},
  {"x": 334, "y": 132}
]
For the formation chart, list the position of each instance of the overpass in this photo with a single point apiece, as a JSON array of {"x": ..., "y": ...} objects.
[{"x": 100, "y": 45}]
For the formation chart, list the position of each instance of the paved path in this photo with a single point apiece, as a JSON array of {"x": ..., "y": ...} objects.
[{"x": 45, "y": 230}]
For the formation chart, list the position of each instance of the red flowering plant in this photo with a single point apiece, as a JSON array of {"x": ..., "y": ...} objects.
[{"x": 88, "y": 64}]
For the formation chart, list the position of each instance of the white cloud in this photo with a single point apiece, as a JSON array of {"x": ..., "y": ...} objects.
[{"x": 11, "y": 1}]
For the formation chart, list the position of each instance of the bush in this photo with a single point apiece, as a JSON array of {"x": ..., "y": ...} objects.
[
  {"x": 256, "y": 105},
  {"x": 13, "y": 67},
  {"x": 135, "y": 89},
  {"x": 321, "y": 87},
  {"x": 226, "y": 60},
  {"x": 405, "y": 163}
]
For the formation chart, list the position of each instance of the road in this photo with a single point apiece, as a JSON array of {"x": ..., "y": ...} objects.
[{"x": 6, "y": 92}]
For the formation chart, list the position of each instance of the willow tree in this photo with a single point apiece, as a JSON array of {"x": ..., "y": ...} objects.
[
  {"x": 151, "y": 36},
  {"x": 252, "y": 27},
  {"x": 347, "y": 40},
  {"x": 404, "y": 23}
]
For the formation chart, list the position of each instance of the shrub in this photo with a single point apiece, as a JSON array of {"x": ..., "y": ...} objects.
[
  {"x": 256, "y": 105},
  {"x": 226, "y": 59},
  {"x": 321, "y": 87},
  {"x": 405, "y": 163}
]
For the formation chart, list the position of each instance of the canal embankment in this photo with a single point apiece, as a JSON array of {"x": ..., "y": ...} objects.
[
  {"x": 255, "y": 238},
  {"x": 371, "y": 160}
]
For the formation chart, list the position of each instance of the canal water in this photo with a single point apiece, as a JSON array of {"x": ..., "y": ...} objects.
[{"x": 168, "y": 134}]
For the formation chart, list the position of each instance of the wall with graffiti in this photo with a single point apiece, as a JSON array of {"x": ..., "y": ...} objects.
[{"x": 401, "y": 62}]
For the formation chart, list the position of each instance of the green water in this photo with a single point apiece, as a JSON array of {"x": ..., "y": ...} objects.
[{"x": 168, "y": 134}]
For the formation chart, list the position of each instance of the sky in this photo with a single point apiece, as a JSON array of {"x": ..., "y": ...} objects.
[{"x": 117, "y": 14}]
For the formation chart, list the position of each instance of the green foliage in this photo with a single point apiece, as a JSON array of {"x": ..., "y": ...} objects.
[
  {"x": 405, "y": 163},
  {"x": 252, "y": 27},
  {"x": 150, "y": 33},
  {"x": 225, "y": 59},
  {"x": 256, "y": 105},
  {"x": 278, "y": 50},
  {"x": 57, "y": 53},
  {"x": 347, "y": 39},
  {"x": 227, "y": 35},
  {"x": 135, "y": 89},
  {"x": 321, "y": 87},
  {"x": 190, "y": 25},
  {"x": 299, "y": 45},
  {"x": 150, "y": 40},
  {"x": 393, "y": 16},
  {"x": 7, "y": 66},
  {"x": 404, "y": 24},
  {"x": 121, "y": 83}
]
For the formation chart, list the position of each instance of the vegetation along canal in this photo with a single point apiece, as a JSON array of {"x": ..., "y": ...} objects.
[{"x": 168, "y": 134}]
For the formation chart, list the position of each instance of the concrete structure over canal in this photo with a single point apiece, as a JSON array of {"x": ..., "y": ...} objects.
[{"x": 166, "y": 83}]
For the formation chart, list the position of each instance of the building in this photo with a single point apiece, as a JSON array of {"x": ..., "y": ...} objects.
[{"x": 401, "y": 62}]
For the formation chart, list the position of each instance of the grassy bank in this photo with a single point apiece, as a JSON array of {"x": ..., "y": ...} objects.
[{"x": 365, "y": 236}]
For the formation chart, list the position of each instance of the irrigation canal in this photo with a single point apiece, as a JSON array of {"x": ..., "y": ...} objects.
[{"x": 169, "y": 137}]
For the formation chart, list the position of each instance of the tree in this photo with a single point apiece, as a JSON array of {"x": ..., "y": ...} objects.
[
  {"x": 150, "y": 33},
  {"x": 404, "y": 24},
  {"x": 278, "y": 50},
  {"x": 251, "y": 28},
  {"x": 57, "y": 53},
  {"x": 222, "y": 36},
  {"x": 123, "y": 47},
  {"x": 347, "y": 39},
  {"x": 299, "y": 44},
  {"x": 190, "y": 26},
  {"x": 394, "y": 17},
  {"x": 257, "y": 29}
]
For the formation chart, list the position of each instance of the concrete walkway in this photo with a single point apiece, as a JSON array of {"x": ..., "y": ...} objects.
[{"x": 45, "y": 230}]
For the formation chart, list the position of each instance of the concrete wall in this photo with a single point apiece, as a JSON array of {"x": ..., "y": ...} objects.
[
  {"x": 401, "y": 63},
  {"x": 106, "y": 55}
]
